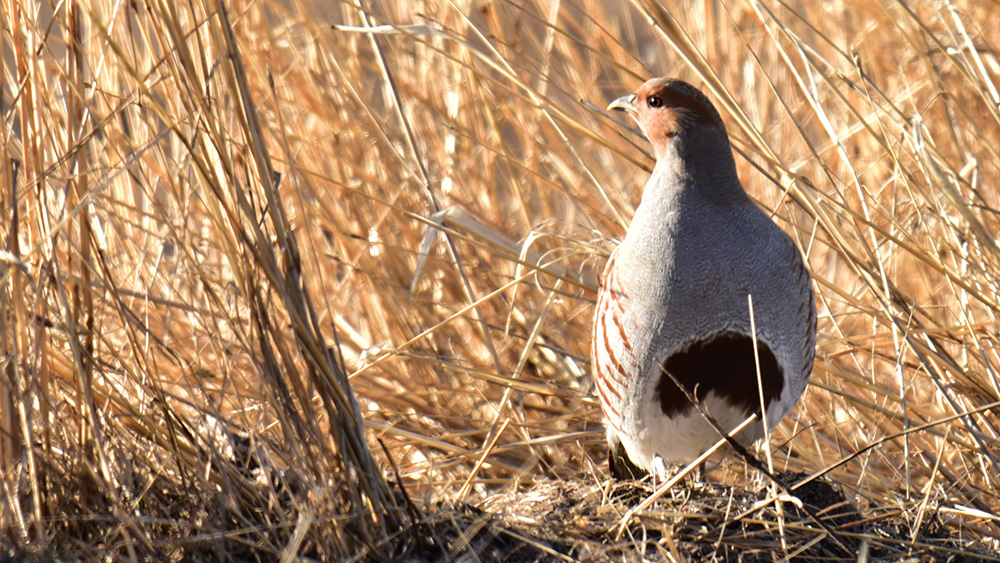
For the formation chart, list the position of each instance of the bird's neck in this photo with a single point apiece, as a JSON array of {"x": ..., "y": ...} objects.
[
  {"x": 695, "y": 177},
  {"x": 701, "y": 162}
]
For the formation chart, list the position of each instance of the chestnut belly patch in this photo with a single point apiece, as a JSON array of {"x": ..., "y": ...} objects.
[{"x": 724, "y": 364}]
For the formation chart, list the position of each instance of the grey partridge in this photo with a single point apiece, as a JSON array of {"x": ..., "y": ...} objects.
[{"x": 674, "y": 297}]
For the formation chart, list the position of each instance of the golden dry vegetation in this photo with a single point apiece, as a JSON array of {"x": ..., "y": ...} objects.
[{"x": 311, "y": 280}]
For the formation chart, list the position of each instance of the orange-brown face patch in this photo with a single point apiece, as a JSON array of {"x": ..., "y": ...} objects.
[{"x": 664, "y": 106}]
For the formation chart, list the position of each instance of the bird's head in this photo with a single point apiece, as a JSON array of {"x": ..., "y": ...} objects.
[{"x": 666, "y": 108}]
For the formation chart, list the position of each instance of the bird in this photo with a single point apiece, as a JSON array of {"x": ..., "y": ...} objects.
[{"x": 675, "y": 299}]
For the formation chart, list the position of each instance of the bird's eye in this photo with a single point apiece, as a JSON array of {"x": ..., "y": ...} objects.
[{"x": 654, "y": 101}]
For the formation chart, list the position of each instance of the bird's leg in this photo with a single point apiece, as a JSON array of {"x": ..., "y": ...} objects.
[{"x": 620, "y": 466}]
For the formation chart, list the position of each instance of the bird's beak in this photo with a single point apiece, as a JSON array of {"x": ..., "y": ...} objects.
[{"x": 623, "y": 103}]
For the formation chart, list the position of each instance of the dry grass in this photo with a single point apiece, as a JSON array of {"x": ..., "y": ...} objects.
[{"x": 212, "y": 216}]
